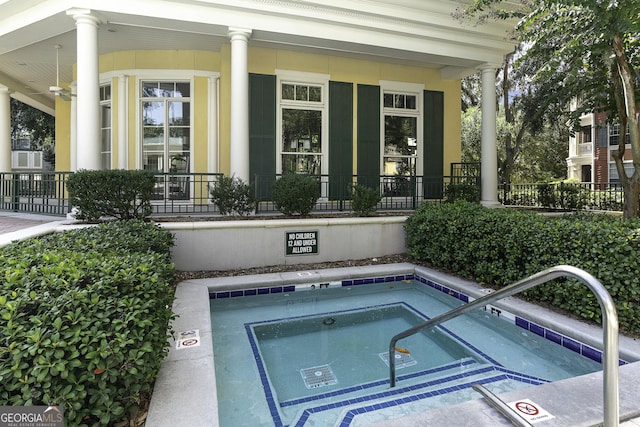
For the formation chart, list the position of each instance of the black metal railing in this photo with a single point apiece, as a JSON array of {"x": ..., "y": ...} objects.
[
  {"x": 34, "y": 192},
  {"x": 399, "y": 192},
  {"x": 189, "y": 193},
  {"x": 564, "y": 195}
]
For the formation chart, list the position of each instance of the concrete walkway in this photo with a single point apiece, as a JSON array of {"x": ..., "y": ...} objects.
[
  {"x": 14, "y": 221},
  {"x": 20, "y": 226}
]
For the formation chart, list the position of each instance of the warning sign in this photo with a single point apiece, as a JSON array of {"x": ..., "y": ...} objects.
[
  {"x": 301, "y": 242},
  {"x": 188, "y": 339},
  {"x": 530, "y": 411}
]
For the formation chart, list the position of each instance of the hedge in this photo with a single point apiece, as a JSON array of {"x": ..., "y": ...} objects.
[
  {"x": 501, "y": 246},
  {"x": 84, "y": 318},
  {"x": 111, "y": 193}
]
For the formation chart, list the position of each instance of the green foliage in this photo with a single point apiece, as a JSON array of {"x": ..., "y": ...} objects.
[
  {"x": 232, "y": 196},
  {"x": 502, "y": 246},
  {"x": 468, "y": 192},
  {"x": 295, "y": 194},
  {"x": 27, "y": 120},
  {"x": 84, "y": 318},
  {"x": 546, "y": 195},
  {"x": 364, "y": 200},
  {"x": 563, "y": 195},
  {"x": 121, "y": 194}
]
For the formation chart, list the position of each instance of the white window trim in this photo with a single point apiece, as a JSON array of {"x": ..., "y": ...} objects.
[
  {"x": 139, "y": 75},
  {"x": 405, "y": 88},
  {"x": 167, "y": 76},
  {"x": 108, "y": 102},
  {"x": 300, "y": 77}
]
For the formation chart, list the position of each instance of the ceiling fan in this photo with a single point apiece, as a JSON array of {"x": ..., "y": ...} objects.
[{"x": 57, "y": 90}]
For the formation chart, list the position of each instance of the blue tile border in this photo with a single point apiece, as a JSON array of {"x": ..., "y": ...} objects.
[{"x": 394, "y": 393}]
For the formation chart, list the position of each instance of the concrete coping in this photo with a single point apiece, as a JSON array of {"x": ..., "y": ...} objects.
[{"x": 185, "y": 390}]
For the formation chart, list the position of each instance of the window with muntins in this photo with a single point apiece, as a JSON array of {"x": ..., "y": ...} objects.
[
  {"x": 614, "y": 134},
  {"x": 401, "y": 119},
  {"x": 166, "y": 126},
  {"x": 166, "y": 133},
  {"x": 613, "y": 171},
  {"x": 105, "y": 126},
  {"x": 302, "y": 116}
]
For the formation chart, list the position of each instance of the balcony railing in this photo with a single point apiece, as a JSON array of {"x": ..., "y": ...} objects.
[{"x": 585, "y": 148}]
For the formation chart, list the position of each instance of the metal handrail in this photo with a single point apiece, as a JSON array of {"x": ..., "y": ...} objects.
[{"x": 609, "y": 323}]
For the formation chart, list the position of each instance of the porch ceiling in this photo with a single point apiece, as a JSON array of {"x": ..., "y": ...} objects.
[{"x": 398, "y": 31}]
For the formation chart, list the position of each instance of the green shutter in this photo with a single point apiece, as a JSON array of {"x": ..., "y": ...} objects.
[
  {"x": 340, "y": 139},
  {"x": 369, "y": 135},
  {"x": 433, "y": 151},
  {"x": 262, "y": 132}
]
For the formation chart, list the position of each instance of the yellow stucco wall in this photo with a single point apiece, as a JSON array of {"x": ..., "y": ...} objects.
[
  {"x": 63, "y": 135},
  {"x": 267, "y": 61},
  {"x": 261, "y": 60}
]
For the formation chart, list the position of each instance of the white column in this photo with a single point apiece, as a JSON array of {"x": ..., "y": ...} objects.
[
  {"x": 489, "y": 151},
  {"x": 73, "y": 130},
  {"x": 123, "y": 146},
  {"x": 88, "y": 82},
  {"x": 212, "y": 144},
  {"x": 239, "y": 103},
  {"x": 5, "y": 130}
]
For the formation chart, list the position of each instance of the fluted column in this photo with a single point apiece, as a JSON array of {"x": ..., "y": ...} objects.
[
  {"x": 88, "y": 83},
  {"x": 239, "y": 103},
  {"x": 489, "y": 151},
  {"x": 5, "y": 130}
]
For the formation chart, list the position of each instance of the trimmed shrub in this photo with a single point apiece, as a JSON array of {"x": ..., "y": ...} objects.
[
  {"x": 232, "y": 196},
  {"x": 84, "y": 318},
  {"x": 364, "y": 199},
  {"x": 295, "y": 194},
  {"x": 500, "y": 246},
  {"x": 119, "y": 194},
  {"x": 468, "y": 192}
]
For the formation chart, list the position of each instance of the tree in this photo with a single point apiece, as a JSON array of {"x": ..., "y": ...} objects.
[
  {"x": 540, "y": 156},
  {"x": 26, "y": 120},
  {"x": 587, "y": 50},
  {"x": 544, "y": 150}
]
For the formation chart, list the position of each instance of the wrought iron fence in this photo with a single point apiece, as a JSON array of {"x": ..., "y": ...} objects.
[
  {"x": 34, "y": 192},
  {"x": 189, "y": 193},
  {"x": 563, "y": 195},
  {"x": 399, "y": 192}
]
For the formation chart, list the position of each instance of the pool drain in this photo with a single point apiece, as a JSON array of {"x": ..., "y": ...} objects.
[
  {"x": 329, "y": 321},
  {"x": 402, "y": 359},
  {"x": 318, "y": 376}
]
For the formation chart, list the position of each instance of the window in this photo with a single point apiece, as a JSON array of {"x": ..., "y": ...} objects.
[
  {"x": 166, "y": 130},
  {"x": 401, "y": 137},
  {"x": 302, "y": 124},
  {"x": 613, "y": 171},
  {"x": 105, "y": 126},
  {"x": 585, "y": 134},
  {"x": 614, "y": 134}
]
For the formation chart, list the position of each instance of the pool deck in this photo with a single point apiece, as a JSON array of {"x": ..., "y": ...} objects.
[{"x": 185, "y": 391}]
